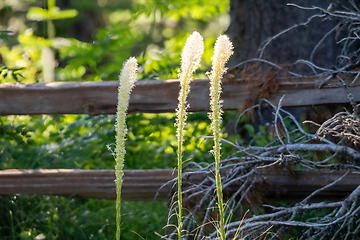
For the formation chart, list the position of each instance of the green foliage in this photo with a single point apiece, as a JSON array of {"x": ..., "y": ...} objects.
[
  {"x": 79, "y": 141},
  {"x": 152, "y": 144},
  {"x": 54, "y": 13},
  {"x": 143, "y": 29},
  {"x": 28, "y": 217},
  {"x": 13, "y": 73}
]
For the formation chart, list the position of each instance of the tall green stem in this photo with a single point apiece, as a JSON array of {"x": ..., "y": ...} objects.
[
  {"x": 181, "y": 122},
  {"x": 222, "y": 53},
  {"x": 50, "y": 29},
  {"x": 50, "y": 24},
  {"x": 190, "y": 61}
]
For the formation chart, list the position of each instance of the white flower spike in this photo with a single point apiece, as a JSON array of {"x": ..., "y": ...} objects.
[{"x": 127, "y": 79}]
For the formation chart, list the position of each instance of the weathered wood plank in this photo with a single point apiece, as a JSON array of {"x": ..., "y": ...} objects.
[
  {"x": 144, "y": 184},
  {"x": 96, "y": 98},
  {"x": 138, "y": 184}
]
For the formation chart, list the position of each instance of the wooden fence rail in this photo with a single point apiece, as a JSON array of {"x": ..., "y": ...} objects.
[
  {"x": 144, "y": 184},
  {"x": 96, "y": 98}
]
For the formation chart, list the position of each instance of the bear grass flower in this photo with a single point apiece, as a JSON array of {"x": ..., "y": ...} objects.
[
  {"x": 222, "y": 52},
  {"x": 127, "y": 79},
  {"x": 190, "y": 61}
]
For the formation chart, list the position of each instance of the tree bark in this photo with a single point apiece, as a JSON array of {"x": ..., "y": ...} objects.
[{"x": 254, "y": 21}]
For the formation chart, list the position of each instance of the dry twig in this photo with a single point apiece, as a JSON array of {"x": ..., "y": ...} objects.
[{"x": 292, "y": 149}]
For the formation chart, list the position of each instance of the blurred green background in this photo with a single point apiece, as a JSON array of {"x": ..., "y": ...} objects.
[{"x": 89, "y": 41}]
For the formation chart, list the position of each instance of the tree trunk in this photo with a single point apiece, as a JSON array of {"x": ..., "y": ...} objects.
[{"x": 254, "y": 21}]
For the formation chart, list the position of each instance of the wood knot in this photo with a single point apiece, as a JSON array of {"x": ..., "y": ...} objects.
[{"x": 91, "y": 109}]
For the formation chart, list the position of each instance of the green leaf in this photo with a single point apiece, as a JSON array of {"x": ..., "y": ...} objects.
[
  {"x": 15, "y": 77},
  {"x": 55, "y": 13},
  {"x": 5, "y": 34},
  {"x": 40, "y": 14},
  {"x": 250, "y": 128},
  {"x": 37, "y": 14}
]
